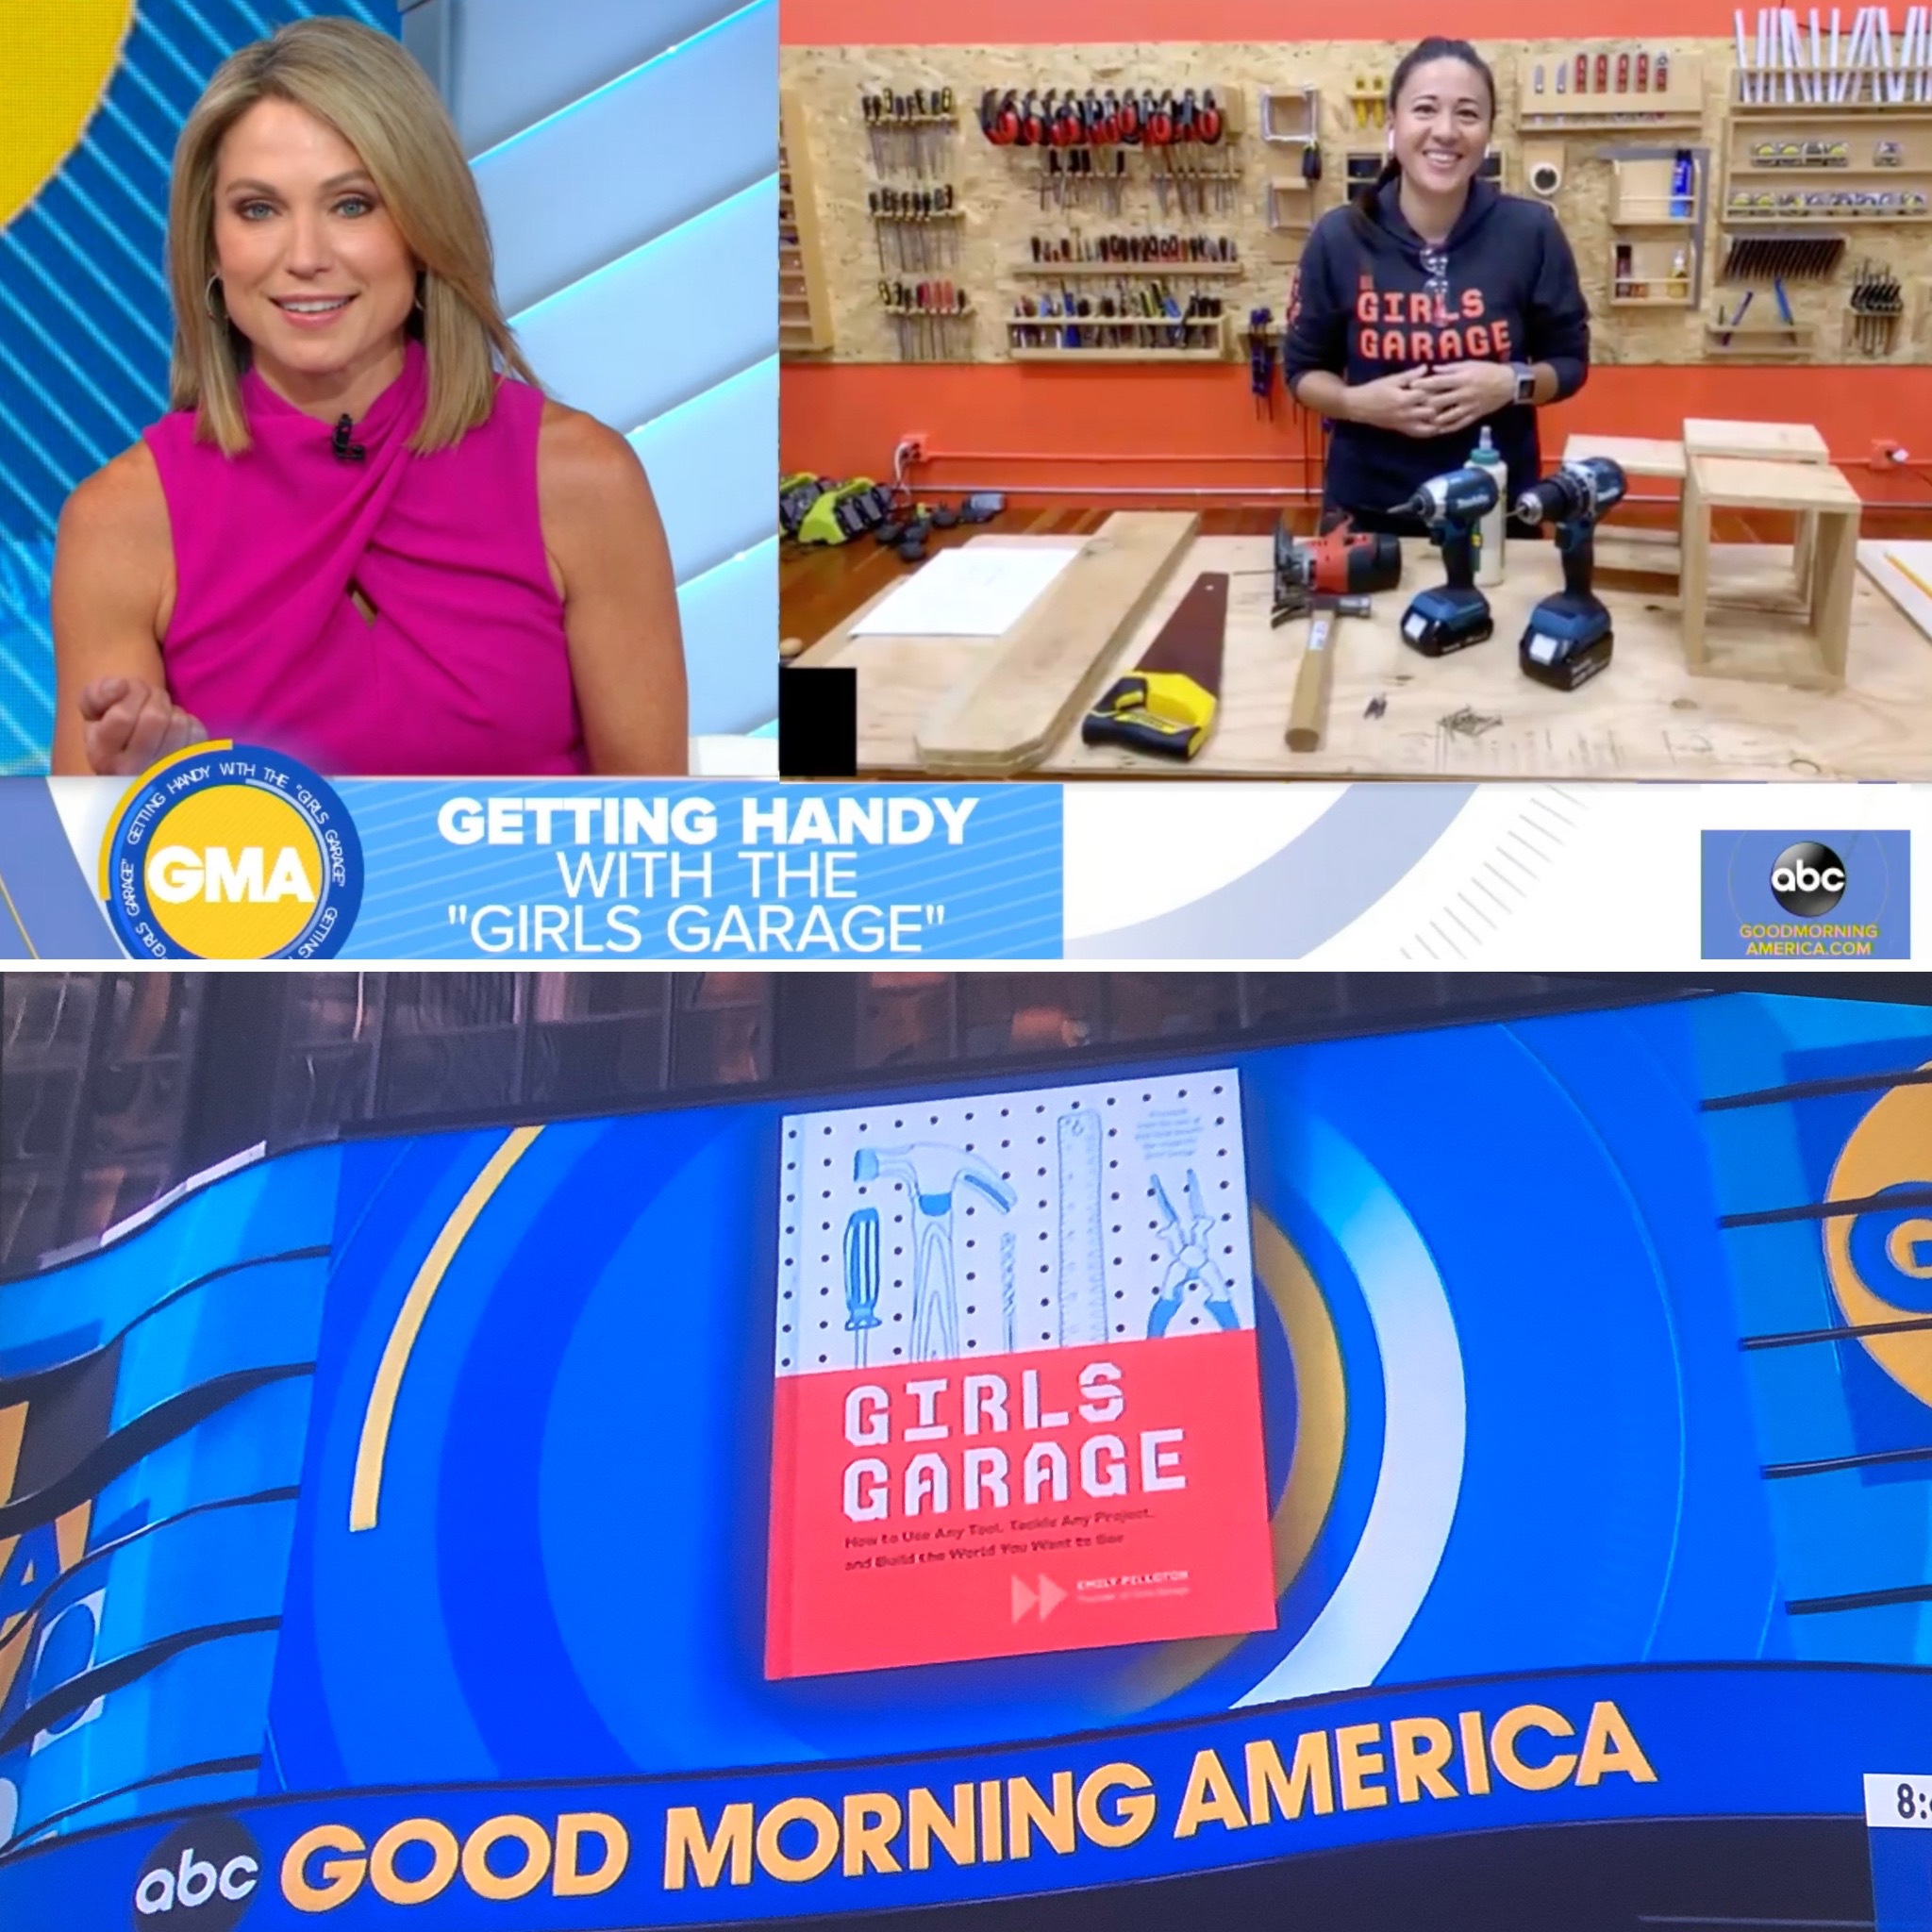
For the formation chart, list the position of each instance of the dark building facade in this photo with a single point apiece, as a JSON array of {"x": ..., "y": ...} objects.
[{"x": 117, "y": 1086}]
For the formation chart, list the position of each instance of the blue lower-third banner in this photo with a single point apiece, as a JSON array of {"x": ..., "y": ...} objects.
[
  {"x": 1569, "y": 1748},
  {"x": 234, "y": 852}
]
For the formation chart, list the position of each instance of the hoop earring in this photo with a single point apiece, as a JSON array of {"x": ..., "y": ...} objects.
[
  {"x": 207, "y": 300},
  {"x": 420, "y": 286}
]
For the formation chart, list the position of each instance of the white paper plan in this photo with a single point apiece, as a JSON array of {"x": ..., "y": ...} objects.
[
  {"x": 1904, "y": 572},
  {"x": 977, "y": 591}
]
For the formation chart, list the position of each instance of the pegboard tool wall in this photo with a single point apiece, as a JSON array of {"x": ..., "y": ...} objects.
[
  {"x": 1072, "y": 23},
  {"x": 1193, "y": 427},
  {"x": 1643, "y": 318}
]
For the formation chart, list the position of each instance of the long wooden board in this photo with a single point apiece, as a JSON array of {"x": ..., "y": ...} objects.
[{"x": 1048, "y": 668}]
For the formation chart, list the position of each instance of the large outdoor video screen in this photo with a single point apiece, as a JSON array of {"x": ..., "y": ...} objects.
[{"x": 954, "y": 1491}]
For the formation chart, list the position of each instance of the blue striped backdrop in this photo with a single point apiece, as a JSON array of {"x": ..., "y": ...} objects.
[{"x": 627, "y": 153}]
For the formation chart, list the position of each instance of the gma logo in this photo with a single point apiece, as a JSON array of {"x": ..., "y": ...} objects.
[
  {"x": 1879, "y": 1258},
  {"x": 223, "y": 875}
]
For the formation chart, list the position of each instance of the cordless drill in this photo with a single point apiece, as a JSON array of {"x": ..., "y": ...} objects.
[
  {"x": 1569, "y": 638},
  {"x": 1455, "y": 614}
]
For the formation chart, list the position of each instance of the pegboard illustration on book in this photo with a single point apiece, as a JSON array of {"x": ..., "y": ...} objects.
[{"x": 1018, "y": 1398}]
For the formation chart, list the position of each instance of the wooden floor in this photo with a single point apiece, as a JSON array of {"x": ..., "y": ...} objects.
[{"x": 819, "y": 586}]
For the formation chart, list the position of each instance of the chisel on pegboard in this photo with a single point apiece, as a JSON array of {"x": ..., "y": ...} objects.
[{"x": 1797, "y": 257}]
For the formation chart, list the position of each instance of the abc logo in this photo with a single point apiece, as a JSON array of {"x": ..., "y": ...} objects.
[
  {"x": 202, "y": 1877},
  {"x": 1807, "y": 879}
]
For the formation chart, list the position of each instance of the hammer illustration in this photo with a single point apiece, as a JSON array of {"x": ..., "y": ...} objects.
[{"x": 931, "y": 1172}]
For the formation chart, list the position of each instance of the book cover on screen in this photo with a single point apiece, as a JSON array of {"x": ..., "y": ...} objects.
[{"x": 1017, "y": 1403}]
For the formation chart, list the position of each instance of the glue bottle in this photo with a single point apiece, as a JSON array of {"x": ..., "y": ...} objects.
[{"x": 1489, "y": 555}]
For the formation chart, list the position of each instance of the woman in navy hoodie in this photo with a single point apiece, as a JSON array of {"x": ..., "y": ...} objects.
[{"x": 1433, "y": 305}]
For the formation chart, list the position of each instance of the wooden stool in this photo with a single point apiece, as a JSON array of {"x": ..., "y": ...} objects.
[
  {"x": 1809, "y": 653},
  {"x": 1770, "y": 442},
  {"x": 1634, "y": 552}
]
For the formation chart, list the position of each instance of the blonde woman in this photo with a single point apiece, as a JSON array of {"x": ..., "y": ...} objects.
[{"x": 364, "y": 535}]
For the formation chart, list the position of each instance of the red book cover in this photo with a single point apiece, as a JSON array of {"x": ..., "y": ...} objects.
[{"x": 1018, "y": 1400}]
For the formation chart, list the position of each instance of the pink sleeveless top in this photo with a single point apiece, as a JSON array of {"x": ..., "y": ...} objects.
[{"x": 462, "y": 670}]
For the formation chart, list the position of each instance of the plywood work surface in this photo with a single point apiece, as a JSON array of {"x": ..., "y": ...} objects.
[{"x": 1394, "y": 713}]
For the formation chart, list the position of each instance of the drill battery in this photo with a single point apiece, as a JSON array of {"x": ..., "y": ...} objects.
[{"x": 1569, "y": 641}]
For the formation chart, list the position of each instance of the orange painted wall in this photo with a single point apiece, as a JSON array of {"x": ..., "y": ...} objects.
[
  {"x": 1004, "y": 425},
  {"x": 1195, "y": 427}
]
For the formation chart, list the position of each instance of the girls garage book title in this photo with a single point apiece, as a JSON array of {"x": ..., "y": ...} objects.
[{"x": 1018, "y": 1404}]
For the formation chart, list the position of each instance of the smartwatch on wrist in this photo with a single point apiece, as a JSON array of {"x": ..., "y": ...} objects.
[{"x": 1524, "y": 374}]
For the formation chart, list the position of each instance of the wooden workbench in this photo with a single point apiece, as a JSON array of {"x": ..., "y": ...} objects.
[{"x": 1394, "y": 713}]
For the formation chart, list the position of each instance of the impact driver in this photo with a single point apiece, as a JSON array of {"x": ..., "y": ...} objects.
[{"x": 1453, "y": 615}]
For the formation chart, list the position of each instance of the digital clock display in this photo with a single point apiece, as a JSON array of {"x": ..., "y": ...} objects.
[{"x": 1898, "y": 1798}]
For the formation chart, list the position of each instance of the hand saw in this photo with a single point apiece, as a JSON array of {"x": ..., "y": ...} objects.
[{"x": 1166, "y": 704}]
